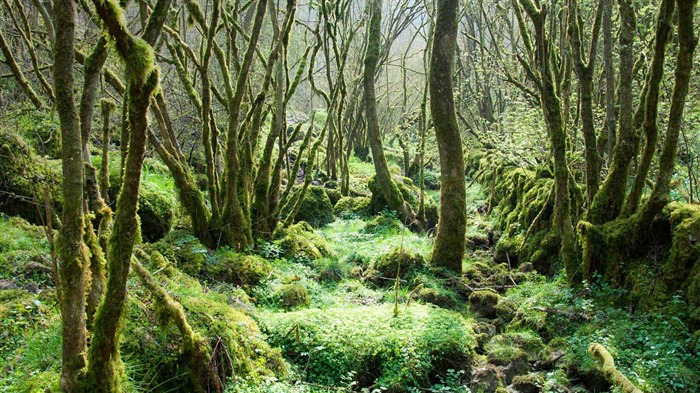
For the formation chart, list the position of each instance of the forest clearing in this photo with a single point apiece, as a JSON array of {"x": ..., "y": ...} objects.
[{"x": 315, "y": 196}]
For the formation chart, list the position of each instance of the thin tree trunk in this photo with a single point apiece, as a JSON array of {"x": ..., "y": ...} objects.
[{"x": 449, "y": 246}]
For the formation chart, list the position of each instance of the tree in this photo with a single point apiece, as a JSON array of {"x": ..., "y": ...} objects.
[
  {"x": 385, "y": 182},
  {"x": 448, "y": 249}
]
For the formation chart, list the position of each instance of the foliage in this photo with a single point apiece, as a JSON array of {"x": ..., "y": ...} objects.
[{"x": 391, "y": 353}]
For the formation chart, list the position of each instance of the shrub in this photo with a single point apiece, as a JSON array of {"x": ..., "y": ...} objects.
[
  {"x": 293, "y": 295},
  {"x": 373, "y": 348}
]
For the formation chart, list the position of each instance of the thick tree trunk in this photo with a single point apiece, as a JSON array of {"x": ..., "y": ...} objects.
[
  {"x": 448, "y": 249},
  {"x": 389, "y": 189}
]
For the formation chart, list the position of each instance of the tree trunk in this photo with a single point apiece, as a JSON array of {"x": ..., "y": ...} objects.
[
  {"x": 448, "y": 249},
  {"x": 389, "y": 189},
  {"x": 74, "y": 260}
]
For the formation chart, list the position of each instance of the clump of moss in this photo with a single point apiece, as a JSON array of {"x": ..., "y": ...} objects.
[
  {"x": 399, "y": 261},
  {"x": 292, "y": 296},
  {"x": 235, "y": 344},
  {"x": 483, "y": 303},
  {"x": 300, "y": 239},
  {"x": 506, "y": 311},
  {"x": 383, "y": 223},
  {"x": 348, "y": 206},
  {"x": 316, "y": 208},
  {"x": 243, "y": 270}
]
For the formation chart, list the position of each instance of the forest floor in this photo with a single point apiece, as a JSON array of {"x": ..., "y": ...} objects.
[{"x": 326, "y": 310}]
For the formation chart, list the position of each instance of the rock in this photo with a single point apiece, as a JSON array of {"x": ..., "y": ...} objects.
[
  {"x": 486, "y": 378},
  {"x": 483, "y": 303}
]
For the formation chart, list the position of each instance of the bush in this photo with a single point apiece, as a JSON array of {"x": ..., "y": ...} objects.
[
  {"x": 292, "y": 296},
  {"x": 367, "y": 345}
]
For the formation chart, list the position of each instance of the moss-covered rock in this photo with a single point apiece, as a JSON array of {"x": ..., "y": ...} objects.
[
  {"x": 157, "y": 212},
  {"x": 437, "y": 297},
  {"x": 244, "y": 270},
  {"x": 399, "y": 261},
  {"x": 292, "y": 296},
  {"x": 300, "y": 239},
  {"x": 506, "y": 311},
  {"x": 334, "y": 195},
  {"x": 348, "y": 205},
  {"x": 483, "y": 303},
  {"x": 410, "y": 193},
  {"x": 316, "y": 208}
]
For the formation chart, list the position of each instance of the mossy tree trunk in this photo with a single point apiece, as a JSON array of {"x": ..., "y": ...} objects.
[
  {"x": 104, "y": 372},
  {"x": 650, "y": 104},
  {"x": 72, "y": 250},
  {"x": 684, "y": 66},
  {"x": 608, "y": 202},
  {"x": 585, "y": 69},
  {"x": 540, "y": 70},
  {"x": 449, "y": 246},
  {"x": 389, "y": 189}
]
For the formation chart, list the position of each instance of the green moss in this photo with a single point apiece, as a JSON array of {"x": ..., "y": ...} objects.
[
  {"x": 316, "y": 208},
  {"x": 243, "y": 270},
  {"x": 157, "y": 212},
  {"x": 437, "y": 297},
  {"x": 410, "y": 194},
  {"x": 300, "y": 239},
  {"x": 292, "y": 296},
  {"x": 376, "y": 349},
  {"x": 348, "y": 206}
]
